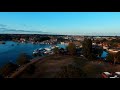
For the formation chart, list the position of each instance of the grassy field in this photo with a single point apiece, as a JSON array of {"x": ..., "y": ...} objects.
[{"x": 52, "y": 65}]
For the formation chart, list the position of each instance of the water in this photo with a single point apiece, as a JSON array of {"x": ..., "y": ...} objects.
[
  {"x": 11, "y": 53},
  {"x": 104, "y": 54}
]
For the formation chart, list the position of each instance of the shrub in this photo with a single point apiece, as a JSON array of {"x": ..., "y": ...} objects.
[
  {"x": 23, "y": 59},
  {"x": 70, "y": 71},
  {"x": 8, "y": 68}
]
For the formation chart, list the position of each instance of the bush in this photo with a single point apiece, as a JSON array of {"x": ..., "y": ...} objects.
[
  {"x": 8, "y": 68},
  {"x": 71, "y": 48},
  {"x": 110, "y": 57},
  {"x": 23, "y": 59},
  {"x": 37, "y": 54},
  {"x": 56, "y": 50},
  {"x": 30, "y": 69},
  {"x": 70, "y": 71}
]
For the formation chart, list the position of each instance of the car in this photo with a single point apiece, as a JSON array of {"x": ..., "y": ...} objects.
[
  {"x": 106, "y": 74},
  {"x": 111, "y": 75}
]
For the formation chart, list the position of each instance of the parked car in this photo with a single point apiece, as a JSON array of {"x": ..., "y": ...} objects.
[
  {"x": 111, "y": 75},
  {"x": 106, "y": 75}
]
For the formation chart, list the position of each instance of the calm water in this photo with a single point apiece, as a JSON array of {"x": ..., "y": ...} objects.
[
  {"x": 11, "y": 53},
  {"x": 104, "y": 54}
]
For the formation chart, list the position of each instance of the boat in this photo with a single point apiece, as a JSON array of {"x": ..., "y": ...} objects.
[
  {"x": 40, "y": 49},
  {"x": 48, "y": 49}
]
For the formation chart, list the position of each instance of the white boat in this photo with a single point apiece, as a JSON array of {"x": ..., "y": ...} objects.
[
  {"x": 57, "y": 46},
  {"x": 40, "y": 48},
  {"x": 48, "y": 49}
]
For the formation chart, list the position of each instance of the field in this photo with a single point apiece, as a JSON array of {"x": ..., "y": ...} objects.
[{"x": 52, "y": 65}]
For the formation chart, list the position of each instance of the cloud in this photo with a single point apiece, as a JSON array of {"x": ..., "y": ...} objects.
[
  {"x": 4, "y": 30},
  {"x": 3, "y": 25}
]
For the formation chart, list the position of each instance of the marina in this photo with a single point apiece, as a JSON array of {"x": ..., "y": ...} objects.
[{"x": 10, "y": 51}]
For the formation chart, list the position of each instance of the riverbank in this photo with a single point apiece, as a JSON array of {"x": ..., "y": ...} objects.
[
  {"x": 10, "y": 51},
  {"x": 24, "y": 67}
]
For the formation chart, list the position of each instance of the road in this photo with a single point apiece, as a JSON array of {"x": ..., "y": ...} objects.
[{"x": 23, "y": 67}]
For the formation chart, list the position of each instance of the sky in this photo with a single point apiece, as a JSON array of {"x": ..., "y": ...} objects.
[{"x": 76, "y": 23}]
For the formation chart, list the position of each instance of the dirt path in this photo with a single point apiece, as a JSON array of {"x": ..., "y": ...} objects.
[{"x": 23, "y": 67}]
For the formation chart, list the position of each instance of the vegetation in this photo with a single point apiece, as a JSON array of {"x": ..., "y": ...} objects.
[
  {"x": 1, "y": 77},
  {"x": 40, "y": 39},
  {"x": 71, "y": 49},
  {"x": 8, "y": 69},
  {"x": 115, "y": 58},
  {"x": 30, "y": 69},
  {"x": 110, "y": 57},
  {"x": 23, "y": 59},
  {"x": 87, "y": 48},
  {"x": 61, "y": 51},
  {"x": 97, "y": 52},
  {"x": 37, "y": 54},
  {"x": 56, "y": 50},
  {"x": 16, "y": 37},
  {"x": 70, "y": 71},
  {"x": 60, "y": 39}
]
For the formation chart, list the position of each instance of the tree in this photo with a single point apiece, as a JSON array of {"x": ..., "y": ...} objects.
[
  {"x": 30, "y": 69},
  {"x": 110, "y": 57},
  {"x": 117, "y": 57},
  {"x": 37, "y": 54},
  {"x": 61, "y": 51},
  {"x": 97, "y": 52},
  {"x": 23, "y": 59},
  {"x": 7, "y": 69},
  {"x": 71, "y": 48},
  {"x": 1, "y": 76},
  {"x": 56, "y": 50},
  {"x": 87, "y": 48}
]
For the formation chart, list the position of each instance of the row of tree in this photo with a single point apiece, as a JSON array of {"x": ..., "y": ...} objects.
[
  {"x": 5, "y": 37},
  {"x": 87, "y": 50}
]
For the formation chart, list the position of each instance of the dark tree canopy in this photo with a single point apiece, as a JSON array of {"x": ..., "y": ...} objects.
[
  {"x": 8, "y": 68},
  {"x": 56, "y": 50},
  {"x": 97, "y": 51},
  {"x": 87, "y": 48},
  {"x": 71, "y": 48},
  {"x": 113, "y": 57},
  {"x": 61, "y": 51},
  {"x": 110, "y": 57},
  {"x": 23, "y": 59},
  {"x": 117, "y": 57}
]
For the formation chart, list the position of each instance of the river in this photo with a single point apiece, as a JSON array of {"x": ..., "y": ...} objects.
[{"x": 11, "y": 53}]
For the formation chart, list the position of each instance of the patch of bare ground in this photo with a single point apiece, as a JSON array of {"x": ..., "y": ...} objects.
[{"x": 49, "y": 67}]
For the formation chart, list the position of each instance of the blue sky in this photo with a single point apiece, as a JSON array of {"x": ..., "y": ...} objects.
[{"x": 61, "y": 22}]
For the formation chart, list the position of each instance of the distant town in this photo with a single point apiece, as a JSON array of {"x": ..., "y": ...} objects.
[{"x": 81, "y": 57}]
